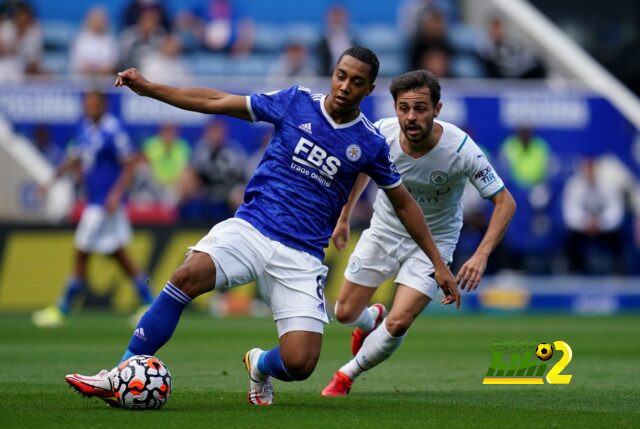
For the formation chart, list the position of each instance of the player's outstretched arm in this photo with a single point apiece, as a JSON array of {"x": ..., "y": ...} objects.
[
  {"x": 411, "y": 216},
  {"x": 203, "y": 100},
  {"x": 342, "y": 230},
  {"x": 471, "y": 272}
]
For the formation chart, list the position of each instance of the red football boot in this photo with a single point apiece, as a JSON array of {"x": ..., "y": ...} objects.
[{"x": 340, "y": 385}]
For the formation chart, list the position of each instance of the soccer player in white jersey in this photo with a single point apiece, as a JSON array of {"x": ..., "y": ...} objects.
[
  {"x": 277, "y": 237},
  {"x": 435, "y": 159}
]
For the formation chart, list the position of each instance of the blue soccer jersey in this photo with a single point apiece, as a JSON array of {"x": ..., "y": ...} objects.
[
  {"x": 102, "y": 147},
  {"x": 306, "y": 174}
]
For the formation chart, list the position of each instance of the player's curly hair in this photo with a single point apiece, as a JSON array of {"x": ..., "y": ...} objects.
[
  {"x": 365, "y": 55},
  {"x": 414, "y": 80}
]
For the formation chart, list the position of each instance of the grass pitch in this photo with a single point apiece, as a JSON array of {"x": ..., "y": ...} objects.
[{"x": 434, "y": 380}]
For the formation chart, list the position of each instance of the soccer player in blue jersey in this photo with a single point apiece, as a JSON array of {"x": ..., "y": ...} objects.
[
  {"x": 320, "y": 145},
  {"x": 103, "y": 153}
]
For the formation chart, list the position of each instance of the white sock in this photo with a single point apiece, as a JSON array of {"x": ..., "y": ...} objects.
[
  {"x": 377, "y": 348},
  {"x": 365, "y": 320}
]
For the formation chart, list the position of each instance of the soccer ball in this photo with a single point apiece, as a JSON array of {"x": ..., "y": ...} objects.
[
  {"x": 544, "y": 351},
  {"x": 142, "y": 382}
]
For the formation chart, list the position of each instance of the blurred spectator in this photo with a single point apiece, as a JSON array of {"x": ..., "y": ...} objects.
[
  {"x": 593, "y": 211},
  {"x": 166, "y": 65},
  {"x": 530, "y": 172},
  {"x": 95, "y": 50},
  {"x": 47, "y": 147},
  {"x": 411, "y": 12},
  {"x": 336, "y": 39},
  {"x": 294, "y": 62},
  {"x": 506, "y": 58},
  {"x": 28, "y": 38},
  {"x": 437, "y": 62},
  {"x": 430, "y": 36},
  {"x": 142, "y": 39},
  {"x": 21, "y": 41},
  {"x": 526, "y": 157},
  {"x": 189, "y": 30},
  {"x": 531, "y": 242},
  {"x": 168, "y": 155},
  {"x": 219, "y": 26},
  {"x": 255, "y": 157},
  {"x": 11, "y": 68},
  {"x": 135, "y": 8},
  {"x": 216, "y": 170}
]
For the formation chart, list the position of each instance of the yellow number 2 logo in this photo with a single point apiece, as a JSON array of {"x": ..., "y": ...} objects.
[{"x": 554, "y": 376}]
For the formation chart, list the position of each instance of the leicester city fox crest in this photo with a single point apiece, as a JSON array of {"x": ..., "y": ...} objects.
[{"x": 353, "y": 152}]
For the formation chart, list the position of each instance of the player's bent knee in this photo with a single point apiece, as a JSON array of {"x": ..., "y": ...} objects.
[
  {"x": 195, "y": 276},
  {"x": 300, "y": 368},
  {"x": 300, "y": 349},
  {"x": 397, "y": 325},
  {"x": 345, "y": 313}
]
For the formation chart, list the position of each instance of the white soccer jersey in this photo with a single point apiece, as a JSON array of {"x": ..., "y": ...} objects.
[{"x": 436, "y": 181}]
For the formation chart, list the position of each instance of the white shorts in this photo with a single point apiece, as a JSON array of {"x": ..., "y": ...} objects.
[
  {"x": 382, "y": 254},
  {"x": 290, "y": 281},
  {"x": 101, "y": 232}
]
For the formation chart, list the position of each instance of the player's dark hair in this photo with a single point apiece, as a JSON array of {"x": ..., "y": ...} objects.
[
  {"x": 365, "y": 55},
  {"x": 414, "y": 80}
]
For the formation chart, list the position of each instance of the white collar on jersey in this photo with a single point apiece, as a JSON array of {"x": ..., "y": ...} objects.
[{"x": 332, "y": 122}]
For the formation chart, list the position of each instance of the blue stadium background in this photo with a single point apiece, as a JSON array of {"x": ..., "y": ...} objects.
[{"x": 575, "y": 121}]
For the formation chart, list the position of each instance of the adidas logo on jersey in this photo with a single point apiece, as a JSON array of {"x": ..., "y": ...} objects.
[
  {"x": 306, "y": 127},
  {"x": 139, "y": 332}
]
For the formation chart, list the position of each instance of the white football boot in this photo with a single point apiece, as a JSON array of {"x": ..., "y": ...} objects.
[
  {"x": 260, "y": 387},
  {"x": 99, "y": 385}
]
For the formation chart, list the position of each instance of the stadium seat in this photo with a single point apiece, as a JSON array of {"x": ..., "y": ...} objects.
[
  {"x": 251, "y": 65},
  {"x": 466, "y": 66},
  {"x": 209, "y": 64},
  {"x": 268, "y": 38},
  {"x": 56, "y": 62},
  {"x": 464, "y": 38},
  {"x": 303, "y": 32},
  {"x": 392, "y": 64},
  {"x": 59, "y": 35},
  {"x": 206, "y": 64},
  {"x": 381, "y": 38}
]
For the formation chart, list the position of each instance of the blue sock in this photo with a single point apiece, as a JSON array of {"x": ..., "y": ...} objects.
[
  {"x": 127, "y": 355},
  {"x": 142, "y": 287},
  {"x": 74, "y": 287},
  {"x": 158, "y": 323},
  {"x": 270, "y": 363}
]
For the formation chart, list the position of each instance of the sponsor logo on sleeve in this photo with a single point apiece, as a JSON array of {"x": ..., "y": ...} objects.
[
  {"x": 486, "y": 175},
  {"x": 392, "y": 164}
]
